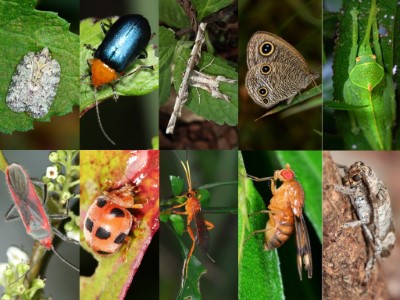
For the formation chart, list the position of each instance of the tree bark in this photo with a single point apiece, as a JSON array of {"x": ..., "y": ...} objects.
[{"x": 345, "y": 251}]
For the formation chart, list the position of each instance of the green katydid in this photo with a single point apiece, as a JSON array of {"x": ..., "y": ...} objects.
[{"x": 369, "y": 87}]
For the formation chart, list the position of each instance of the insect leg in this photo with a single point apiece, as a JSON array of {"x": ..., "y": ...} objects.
[
  {"x": 90, "y": 47},
  {"x": 258, "y": 179},
  {"x": 254, "y": 233},
  {"x": 209, "y": 225},
  {"x": 63, "y": 259},
  {"x": 191, "y": 234},
  {"x": 63, "y": 237},
  {"x": 9, "y": 217},
  {"x": 139, "y": 68}
]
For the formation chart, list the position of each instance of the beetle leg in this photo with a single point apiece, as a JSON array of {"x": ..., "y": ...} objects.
[
  {"x": 103, "y": 26},
  {"x": 90, "y": 47},
  {"x": 139, "y": 68},
  {"x": 142, "y": 55}
]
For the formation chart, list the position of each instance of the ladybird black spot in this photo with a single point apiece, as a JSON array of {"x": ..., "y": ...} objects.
[
  {"x": 101, "y": 201},
  {"x": 102, "y": 234},
  {"x": 117, "y": 212},
  {"x": 103, "y": 252},
  {"x": 120, "y": 238},
  {"x": 89, "y": 225}
]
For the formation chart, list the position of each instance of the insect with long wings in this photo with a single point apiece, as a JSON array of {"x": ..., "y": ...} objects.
[
  {"x": 286, "y": 214},
  {"x": 197, "y": 226}
]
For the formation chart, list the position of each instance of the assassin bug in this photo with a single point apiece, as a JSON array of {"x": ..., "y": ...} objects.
[
  {"x": 197, "y": 226},
  {"x": 109, "y": 221},
  {"x": 286, "y": 214},
  {"x": 31, "y": 211},
  {"x": 124, "y": 42}
]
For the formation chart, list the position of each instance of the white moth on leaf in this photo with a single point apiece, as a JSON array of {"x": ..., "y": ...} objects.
[{"x": 34, "y": 84}]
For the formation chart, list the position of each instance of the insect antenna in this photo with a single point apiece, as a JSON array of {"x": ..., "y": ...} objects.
[
  {"x": 100, "y": 124},
  {"x": 63, "y": 259},
  {"x": 187, "y": 172}
]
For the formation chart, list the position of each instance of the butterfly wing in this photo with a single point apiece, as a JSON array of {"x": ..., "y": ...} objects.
[{"x": 269, "y": 83}]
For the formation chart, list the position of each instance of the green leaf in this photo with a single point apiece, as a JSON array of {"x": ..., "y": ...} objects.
[
  {"x": 141, "y": 83},
  {"x": 172, "y": 14},
  {"x": 205, "y": 197},
  {"x": 167, "y": 50},
  {"x": 205, "y": 8},
  {"x": 342, "y": 105},
  {"x": 201, "y": 102},
  {"x": 176, "y": 185},
  {"x": 259, "y": 273},
  {"x": 32, "y": 30},
  {"x": 178, "y": 223}
]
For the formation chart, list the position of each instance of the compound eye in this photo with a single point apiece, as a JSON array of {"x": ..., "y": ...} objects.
[
  {"x": 356, "y": 177},
  {"x": 266, "y": 49}
]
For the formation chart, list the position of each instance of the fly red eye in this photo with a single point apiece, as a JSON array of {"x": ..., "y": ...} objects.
[{"x": 287, "y": 174}]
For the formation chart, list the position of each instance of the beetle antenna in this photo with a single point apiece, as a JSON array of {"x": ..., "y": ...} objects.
[{"x": 101, "y": 125}]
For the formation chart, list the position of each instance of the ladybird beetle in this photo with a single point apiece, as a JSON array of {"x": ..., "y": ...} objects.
[
  {"x": 124, "y": 42},
  {"x": 109, "y": 220}
]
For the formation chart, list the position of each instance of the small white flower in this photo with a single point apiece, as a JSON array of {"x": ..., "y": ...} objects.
[
  {"x": 74, "y": 235},
  {"x": 16, "y": 256},
  {"x": 51, "y": 172},
  {"x": 3, "y": 267}
]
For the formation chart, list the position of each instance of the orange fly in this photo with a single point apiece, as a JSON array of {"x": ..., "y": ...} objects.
[
  {"x": 286, "y": 214},
  {"x": 197, "y": 226}
]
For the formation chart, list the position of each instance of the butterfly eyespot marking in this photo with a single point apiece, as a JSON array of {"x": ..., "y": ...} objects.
[
  {"x": 266, "y": 69},
  {"x": 266, "y": 49},
  {"x": 265, "y": 100},
  {"x": 262, "y": 91}
]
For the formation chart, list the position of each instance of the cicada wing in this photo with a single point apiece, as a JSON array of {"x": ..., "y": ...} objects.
[{"x": 303, "y": 247}]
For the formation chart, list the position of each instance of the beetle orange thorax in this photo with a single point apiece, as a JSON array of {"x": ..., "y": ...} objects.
[{"x": 101, "y": 73}]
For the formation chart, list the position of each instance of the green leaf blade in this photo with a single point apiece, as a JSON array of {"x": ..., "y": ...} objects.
[{"x": 259, "y": 273}]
